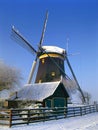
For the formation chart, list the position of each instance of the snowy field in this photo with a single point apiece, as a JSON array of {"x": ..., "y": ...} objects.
[{"x": 87, "y": 122}]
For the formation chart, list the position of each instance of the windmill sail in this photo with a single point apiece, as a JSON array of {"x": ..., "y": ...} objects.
[
  {"x": 39, "y": 49},
  {"x": 22, "y": 41},
  {"x": 79, "y": 88},
  {"x": 44, "y": 29}
]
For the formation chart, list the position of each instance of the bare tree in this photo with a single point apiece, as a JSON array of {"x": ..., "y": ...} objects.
[
  {"x": 87, "y": 97},
  {"x": 9, "y": 76}
]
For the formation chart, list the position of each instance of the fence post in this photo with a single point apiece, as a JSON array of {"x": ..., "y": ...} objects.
[
  {"x": 90, "y": 109},
  {"x": 10, "y": 118},
  {"x": 65, "y": 112},
  {"x": 44, "y": 118},
  {"x": 94, "y": 110},
  {"x": 28, "y": 117},
  {"x": 80, "y": 111},
  {"x": 74, "y": 111},
  {"x": 56, "y": 111},
  {"x": 85, "y": 110},
  {"x": 96, "y": 107}
]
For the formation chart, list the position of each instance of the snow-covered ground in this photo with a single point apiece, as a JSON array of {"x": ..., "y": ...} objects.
[{"x": 87, "y": 122}]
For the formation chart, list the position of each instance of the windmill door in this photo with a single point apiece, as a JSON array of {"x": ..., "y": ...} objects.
[
  {"x": 48, "y": 103},
  {"x": 59, "y": 102}
]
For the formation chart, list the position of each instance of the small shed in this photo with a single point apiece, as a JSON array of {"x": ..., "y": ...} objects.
[{"x": 52, "y": 94}]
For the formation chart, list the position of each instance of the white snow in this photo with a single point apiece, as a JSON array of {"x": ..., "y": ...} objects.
[
  {"x": 54, "y": 49},
  {"x": 87, "y": 122},
  {"x": 36, "y": 92}
]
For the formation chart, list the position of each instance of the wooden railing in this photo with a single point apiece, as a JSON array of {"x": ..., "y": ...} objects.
[
  {"x": 79, "y": 111},
  {"x": 5, "y": 117},
  {"x": 25, "y": 116}
]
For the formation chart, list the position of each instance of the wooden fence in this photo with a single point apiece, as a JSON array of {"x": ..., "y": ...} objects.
[{"x": 25, "y": 116}]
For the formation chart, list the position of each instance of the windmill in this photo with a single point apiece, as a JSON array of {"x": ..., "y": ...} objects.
[{"x": 51, "y": 59}]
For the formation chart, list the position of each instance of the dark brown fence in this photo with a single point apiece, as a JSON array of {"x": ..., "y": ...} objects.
[
  {"x": 25, "y": 116},
  {"x": 5, "y": 117}
]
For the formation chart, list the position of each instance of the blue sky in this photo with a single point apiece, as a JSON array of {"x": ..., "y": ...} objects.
[{"x": 76, "y": 19}]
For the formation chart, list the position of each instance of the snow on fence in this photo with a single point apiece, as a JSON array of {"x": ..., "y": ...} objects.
[
  {"x": 5, "y": 117},
  {"x": 25, "y": 116}
]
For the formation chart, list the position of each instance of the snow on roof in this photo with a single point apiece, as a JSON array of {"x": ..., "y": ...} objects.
[
  {"x": 54, "y": 49},
  {"x": 40, "y": 91},
  {"x": 36, "y": 92}
]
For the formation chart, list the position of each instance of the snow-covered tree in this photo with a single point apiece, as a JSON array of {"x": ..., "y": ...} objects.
[{"x": 9, "y": 76}]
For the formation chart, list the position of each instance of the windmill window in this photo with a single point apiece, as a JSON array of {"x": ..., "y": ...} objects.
[
  {"x": 40, "y": 81},
  {"x": 43, "y": 61},
  {"x": 53, "y": 74}
]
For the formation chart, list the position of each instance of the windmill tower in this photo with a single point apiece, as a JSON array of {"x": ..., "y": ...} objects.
[{"x": 51, "y": 60}]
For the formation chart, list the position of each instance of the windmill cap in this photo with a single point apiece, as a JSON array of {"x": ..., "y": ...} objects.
[{"x": 54, "y": 49}]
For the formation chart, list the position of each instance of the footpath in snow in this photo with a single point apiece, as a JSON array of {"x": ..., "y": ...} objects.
[{"x": 87, "y": 122}]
